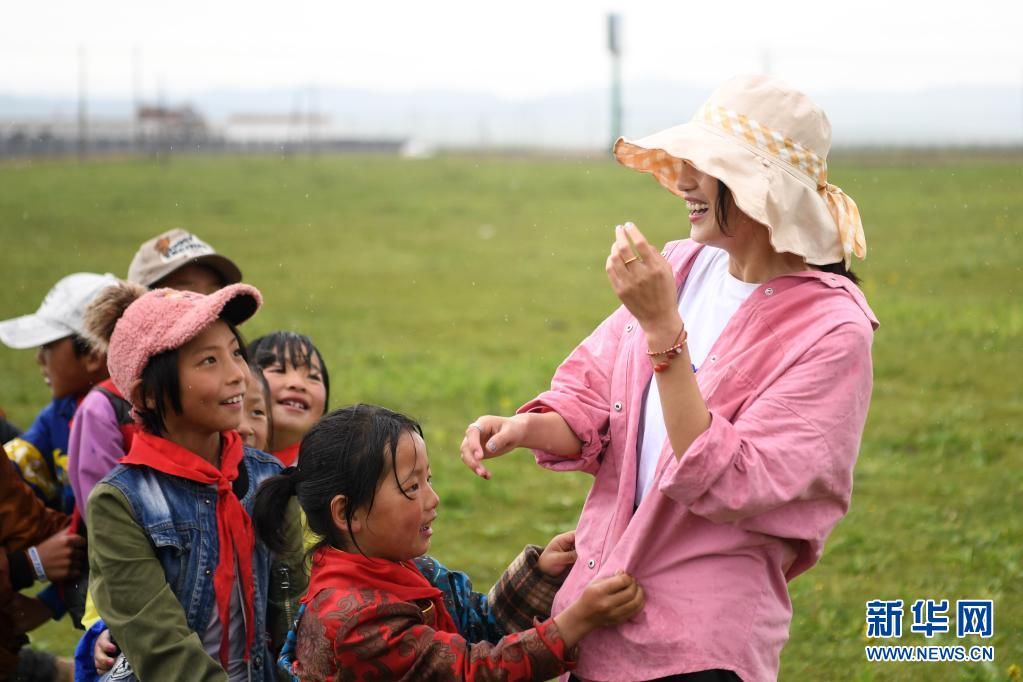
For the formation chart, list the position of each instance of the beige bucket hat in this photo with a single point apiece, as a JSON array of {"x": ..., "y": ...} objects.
[
  {"x": 174, "y": 249},
  {"x": 769, "y": 144}
]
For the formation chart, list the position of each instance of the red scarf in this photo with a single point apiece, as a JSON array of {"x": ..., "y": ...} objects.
[
  {"x": 234, "y": 527},
  {"x": 333, "y": 568},
  {"x": 288, "y": 455}
]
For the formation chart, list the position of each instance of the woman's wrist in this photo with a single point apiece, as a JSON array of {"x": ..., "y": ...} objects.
[
  {"x": 662, "y": 333},
  {"x": 546, "y": 431}
]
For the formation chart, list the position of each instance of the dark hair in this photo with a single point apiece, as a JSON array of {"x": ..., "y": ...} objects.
[
  {"x": 725, "y": 200},
  {"x": 290, "y": 348},
  {"x": 257, "y": 372},
  {"x": 162, "y": 385},
  {"x": 80, "y": 345},
  {"x": 347, "y": 452},
  {"x": 721, "y": 205}
]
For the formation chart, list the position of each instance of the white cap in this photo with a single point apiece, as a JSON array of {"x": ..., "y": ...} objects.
[{"x": 60, "y": 314}]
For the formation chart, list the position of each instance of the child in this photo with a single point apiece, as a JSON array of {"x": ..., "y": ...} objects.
[
  {"x": 102, "y": 429},
  {"x": 176, "y": 571},
  {"x": 180, "y": 260},
  {"x": 70, "y": 368},
  {"x": 376, "y": 607},
  {"x": 299, "y": 387},
  {"x": 34, "y": 545},
  {"x": 256, "y": 426}
]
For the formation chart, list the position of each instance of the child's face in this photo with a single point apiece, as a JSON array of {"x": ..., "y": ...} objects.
[
  {"x": 255, "y": 423},
  {"x": 212, "y": 373},
  {"x": 400, "y": 524},
  {"x": 69, "y": 374},
  {"x": 192, "y": 277},
  {"x": 298, "y": 396}
]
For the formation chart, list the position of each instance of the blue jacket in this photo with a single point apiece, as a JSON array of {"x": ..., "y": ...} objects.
[
  {"x": 41, "y": 453},
  {"x": 179, "y": 518}
]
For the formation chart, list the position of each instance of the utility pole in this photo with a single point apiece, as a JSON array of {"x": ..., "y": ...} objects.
[
  {"x": 136, "y": 97},
  {"x": 83, "y": 130},
  {"x": 614, "y": 22}
]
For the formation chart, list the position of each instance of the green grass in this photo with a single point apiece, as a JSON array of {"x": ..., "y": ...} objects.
[{"x": 452, "y": 287}]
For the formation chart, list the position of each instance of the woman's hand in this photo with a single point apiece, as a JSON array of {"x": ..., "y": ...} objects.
[
  {"x": 644, "y": 284},
  {"x": 559, "y": 554},
  {"x": 490, "y": 436},
  {"x": 104, "y": 653}
]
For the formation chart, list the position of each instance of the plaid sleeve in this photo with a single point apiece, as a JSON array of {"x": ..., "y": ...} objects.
[{"x": 523, "y": 593}]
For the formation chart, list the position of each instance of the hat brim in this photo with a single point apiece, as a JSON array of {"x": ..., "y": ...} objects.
[
  {"x": 235, "y": 303},
  {"x": 32, "y": 331},
  {"x": 763, "y": 187},
  {"x": 129, "y": 349},
  {"x": 240, "y": 302},
  {"x": 224, "y": 267}
]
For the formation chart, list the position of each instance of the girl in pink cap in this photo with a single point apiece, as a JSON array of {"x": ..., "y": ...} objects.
[
  {"x": 176, "y": 570},
  {"x": 720, "y": 408}
]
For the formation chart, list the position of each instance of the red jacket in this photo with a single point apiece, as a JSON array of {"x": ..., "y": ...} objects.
[{"x": 24, "y": 522}]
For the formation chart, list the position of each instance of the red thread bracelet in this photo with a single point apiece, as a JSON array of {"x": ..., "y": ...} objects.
[{"x": 670, "y": 353}]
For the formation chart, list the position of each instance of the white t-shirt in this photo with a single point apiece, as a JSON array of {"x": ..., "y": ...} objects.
[{"x": 710, "y": 297}]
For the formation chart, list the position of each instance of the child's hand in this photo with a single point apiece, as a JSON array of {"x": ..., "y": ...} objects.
[
  {"x": 613, "y": 600},
  {"x": 104, "y": 653},
  {"x": 609, "y": 601},
  {"x": 62, "y": 555},
  {"x": 559, "y": 554}
]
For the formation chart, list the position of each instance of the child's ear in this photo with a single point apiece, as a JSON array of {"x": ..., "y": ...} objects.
[
  {"x": 140, "y": 397},
  {"x": 338, "y": 505}
]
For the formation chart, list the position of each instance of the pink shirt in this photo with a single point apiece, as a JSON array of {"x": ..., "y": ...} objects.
[{"x": 750, "y": 503}]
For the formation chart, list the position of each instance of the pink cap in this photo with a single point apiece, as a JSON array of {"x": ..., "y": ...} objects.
[{"x": 167, "y": 318}]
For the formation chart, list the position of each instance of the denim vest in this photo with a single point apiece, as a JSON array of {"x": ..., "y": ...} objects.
[{"x": 179, "y": 516}]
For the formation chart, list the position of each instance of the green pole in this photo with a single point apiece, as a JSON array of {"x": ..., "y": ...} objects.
[{"x": 614, "y": 47}]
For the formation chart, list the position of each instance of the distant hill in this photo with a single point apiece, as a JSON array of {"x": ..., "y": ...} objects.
[{"x": 947, "y": 116}]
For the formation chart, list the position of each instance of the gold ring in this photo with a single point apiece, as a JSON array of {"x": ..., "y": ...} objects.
[{"x": 634, "y": 258}]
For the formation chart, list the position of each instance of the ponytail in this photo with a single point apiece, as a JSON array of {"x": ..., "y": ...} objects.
[{"x": 269, "y": 509}]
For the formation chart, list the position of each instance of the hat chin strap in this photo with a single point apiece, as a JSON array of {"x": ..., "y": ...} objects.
[{"x": 847, "y": 217}]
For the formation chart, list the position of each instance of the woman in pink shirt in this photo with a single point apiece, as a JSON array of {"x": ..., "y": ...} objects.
[{"x": 720, "y": 408}]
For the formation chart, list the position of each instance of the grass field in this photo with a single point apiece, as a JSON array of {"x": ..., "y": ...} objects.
[{"x": 452, "y": 287}]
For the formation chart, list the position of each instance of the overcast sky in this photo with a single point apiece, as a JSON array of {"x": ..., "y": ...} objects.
[{"x": 516, "y": 49}]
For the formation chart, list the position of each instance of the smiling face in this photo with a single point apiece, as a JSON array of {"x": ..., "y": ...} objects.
[
  {"x": 701, "y": 194},
  {"x": 399, "y": 524},
  {"x": 298, "y": 397},
  {"x": 211, "y": 372}
]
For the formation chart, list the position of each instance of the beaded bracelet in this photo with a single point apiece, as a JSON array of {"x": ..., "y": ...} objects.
[
  {"x": 37, "y": 564},
  {"x": 671, "y": 353}
]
